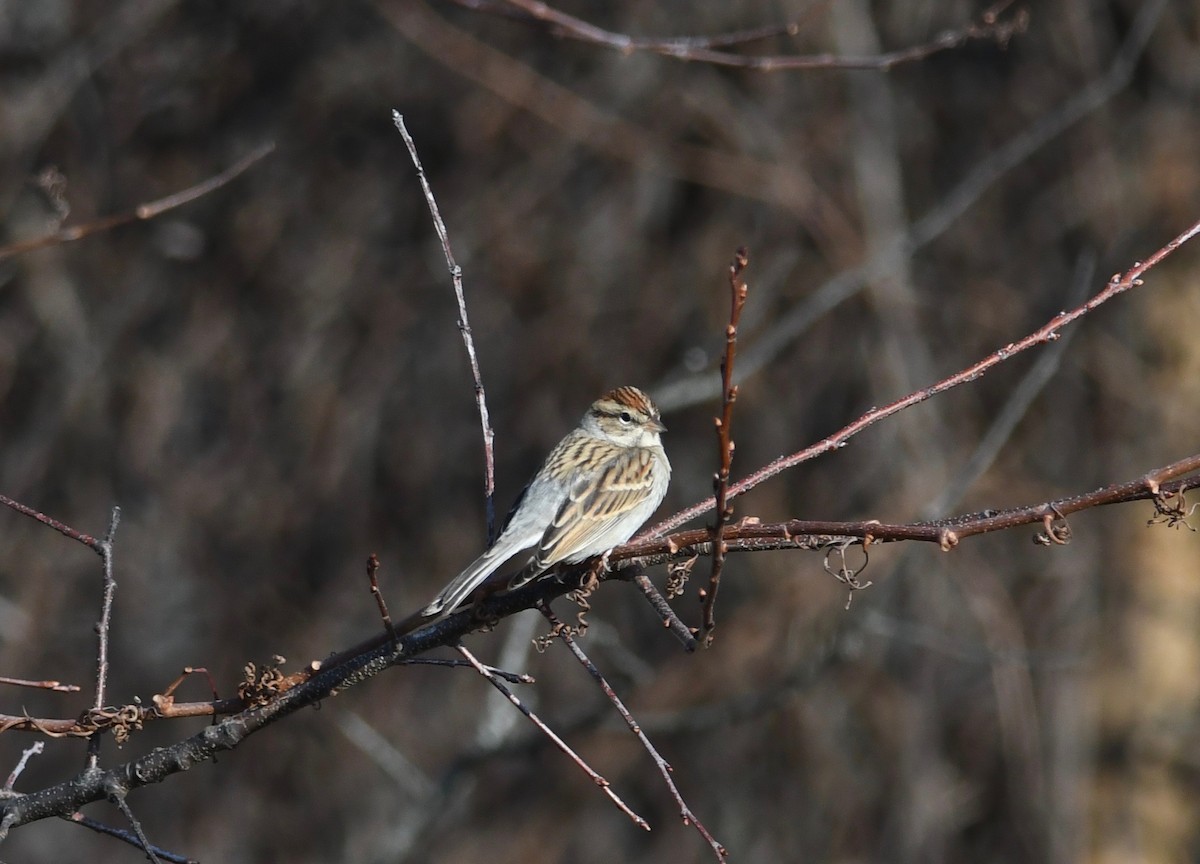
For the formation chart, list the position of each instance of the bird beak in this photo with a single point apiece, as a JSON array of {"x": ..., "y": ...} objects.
[{"x": 657, "y": 425}]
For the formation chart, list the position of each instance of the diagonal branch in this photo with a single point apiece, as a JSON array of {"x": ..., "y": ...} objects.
[
  {"x": 664, "y": 767},
  {"x": 142, "y": 212},
  {"x": 1118, "y": 284},
  {"x": 554, "y": 738}
]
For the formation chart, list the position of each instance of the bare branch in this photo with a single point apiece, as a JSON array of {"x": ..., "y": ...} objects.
[
  {"x": 669, "y": 619},
  {"x": 947, "y": 212},
  {"x": 142, "y": 212},
  {"x": 464, "y": 327},
  {"x": 373, "y": 575},
  {"x": 1118, "y": 284},
  {"x": 62, "y": 528},
  {"x": 102, "y": 627},
  {"x": 126, "y": 837},
  {"x": 32, "y": 750},
  {"x": 704, "y": 49},
  {"x": 557, "y": 741},
  {"x": 118, "y": 798},
  {"x": 56, "y": 686},
  {"x": 685, "y": 813},
  {"x": 724, "y": 512}
]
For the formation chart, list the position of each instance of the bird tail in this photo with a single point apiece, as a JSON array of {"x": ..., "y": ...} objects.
[{"x": 463, "y": 584}]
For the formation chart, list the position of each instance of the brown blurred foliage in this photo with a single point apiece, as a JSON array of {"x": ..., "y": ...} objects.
[{"x": 270, "y": 383}]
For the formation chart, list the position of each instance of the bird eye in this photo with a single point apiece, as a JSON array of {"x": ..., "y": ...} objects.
[{"x": 626, "y": 417}]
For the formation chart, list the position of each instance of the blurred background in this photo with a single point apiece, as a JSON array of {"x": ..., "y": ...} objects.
[{"x": 270, "y": 382}]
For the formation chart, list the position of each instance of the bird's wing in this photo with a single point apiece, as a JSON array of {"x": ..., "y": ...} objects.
[{"x": 594, "y": 505}]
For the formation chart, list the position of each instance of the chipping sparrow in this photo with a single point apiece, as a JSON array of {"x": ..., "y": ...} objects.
[{"x": 595, "y": 489}]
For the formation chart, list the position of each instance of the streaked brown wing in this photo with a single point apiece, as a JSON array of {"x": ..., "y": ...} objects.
[{"x": 591, "y": 508}]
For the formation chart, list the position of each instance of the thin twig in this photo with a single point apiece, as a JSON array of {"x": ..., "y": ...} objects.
[
  {"x": 946, "y": 213},
  {"x": 510, "y": 677},
  {"x": 670, "y": 620},
  {"x": 32, "y": 750},
  {"x": 66, "y": 530},
  {"x": 1118, "y": 284},
  {"x": 664, "y": 767},
  {"x": 1157, "y": 485},
  {"x": 724, "y": 511},
  {"x": 102, "y": 627},
  {"x": 700, "y": 50},
  {"x": 728, "y": 39},
  {"x": 118, "y": 797},
  {"x": 558, "y": 742},
  {"x": 126, "y": 837},
  {"x": 56, "y": 686},
  {"x": 142, "y": 212},
  {"x": 464, "y": 327},
  {"x": 373, "y": 575},
  {"x": 188, "y": 672}
]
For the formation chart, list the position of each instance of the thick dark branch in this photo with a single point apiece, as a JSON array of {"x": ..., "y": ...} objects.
[{"x": 371, "y": 656}]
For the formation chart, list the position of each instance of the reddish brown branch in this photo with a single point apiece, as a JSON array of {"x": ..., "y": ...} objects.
[
  {"x": 706, "y": 50},
  {"x": 1118, "y": 284},
  {"x": 142, "y": 212},
  {"x": 724, "y": 511},
  {"x": 751, "y": 536},
  {"x": 66, "y": 530},
  {"x": 373, "y": 575},
  {"x": 56, "y": 686},
  {"x": 168, "y": 695}
]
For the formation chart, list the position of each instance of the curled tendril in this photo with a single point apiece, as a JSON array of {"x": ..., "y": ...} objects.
[
  {"x": 842, "y": 571},
  {"x": 122, "y": 720},
  {"x": 1057, "y": 531},
  {"x": 678, "y": 574},
  {"x": 1171, "y": 509}
]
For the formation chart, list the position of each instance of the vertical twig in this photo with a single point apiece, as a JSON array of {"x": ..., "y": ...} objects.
[
  {"x": 373, "y": 575},
  {"x": 737, "y": 300},
  {"x": 464, "y": 327},
  {"x": 549, "y": 733},
  {"x": 664, "y": 767},
  {"x": 105, "y": 550}
]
